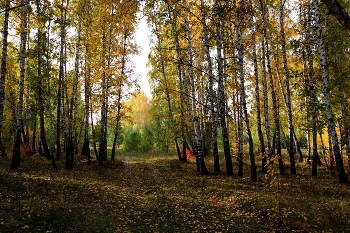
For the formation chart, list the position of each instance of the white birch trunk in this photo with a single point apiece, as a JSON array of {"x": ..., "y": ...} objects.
[{"x": 326, "y": 91}]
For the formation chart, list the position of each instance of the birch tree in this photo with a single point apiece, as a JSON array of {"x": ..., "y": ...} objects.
[
  {"x": 15, "y": 163},
  {"x": 198, "y": 146},
  {"x": 221, "y": 90},
  {"x": 326, "y": 92},
  {"x": 3, "y": 71}
]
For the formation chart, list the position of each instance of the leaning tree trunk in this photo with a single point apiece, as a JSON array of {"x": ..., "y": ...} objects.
[
  {"x": 15, "y": 163},
  {"x": 197, "y": 131},
  {"x": 257, "y": 94},
  {"x": 211, "y": 93},
  {"x": 288, "y": 95},
  {"x": 221, "y": 91},
  {"x": 3, "y": 72},
  {"x": 326, "y": 91}
]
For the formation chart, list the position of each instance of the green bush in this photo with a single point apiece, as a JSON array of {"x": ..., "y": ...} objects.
[{"x": 132, "y": 141}]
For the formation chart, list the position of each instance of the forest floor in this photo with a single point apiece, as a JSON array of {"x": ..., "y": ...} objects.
[{"x": 152, "y": 193}]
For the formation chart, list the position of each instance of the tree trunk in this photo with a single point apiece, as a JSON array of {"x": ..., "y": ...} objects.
[
  {"x": 221, "y": 91},
  {"x": 197, "y": 131},
  {"x": 243, "y": 101},
  {"x": 87, "y": 89},
  {"x": 266, "y": 102},
  {"x": 34, "y": 128},
  {"x": 3, "y": 72},
  {"x": 117, "y": 124},
  {"x": 93, "y": 134},
  {"x": 344, "y": 120},
  {"x": 288, "y": 94},
  {"x": 119, "y": 97},
  {"x": 15, "y": 163},
  {"x": 326, "y": 91},
  {"x": 181, "y": 75},
  {"x": 211, "y": 93},
  {"x": 257, "y": 95},
  {"x": 324, "y": 151},
  {"x": 313, "y": 99},
  {"x": 167, "y": 96},
  {"x": 103, "y": 111},
  {"x": 40, "y": 45},
  {"x": 47, "y": 74},
  {"x": 60, "y": 80},
  {"x": 273, "y": 94},
  {"x": 73, "y": 112}
]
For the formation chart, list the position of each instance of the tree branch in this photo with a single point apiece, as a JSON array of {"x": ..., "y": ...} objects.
[
  {"x": 15, "y": 7},
  {"x": 339, "y": 12}
]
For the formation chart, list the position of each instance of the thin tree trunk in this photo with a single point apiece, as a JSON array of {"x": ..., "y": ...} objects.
[
  {"x": 119, "y": 97},
  {"x": 244, "y": 102},
  {"x": 15, "y": 163},
  {"x": 72, "y": 129},
  {"x": 313, "y": 100},
  {"x": 324, "y": 151},
  {"x": 266, "y": 102},
  {"x": 257, "y": 95},
  {"x": 211, "y": 93},
  {"x": 93, "y": 134},
  {"x": 167, "y": 96},
  {"x": 221, "y": 91},
  {"x": 47, "y": 74},
  {"x": 34, "y": 128},
  {"x": 60, "y": 82},
  {"x": 197, "y": 131},
  {"x": 40, "y": 87},
  {"x": 326, "y": 91},
  {"x": 288, "y": 94},
  {"x": 103, "y": 134},
  {"x": 181, "y": 75},
  {"x": 116, "y": 132},
  {"x": 87, "y": 88},
  {"x": 3, "y": 72},
  {"x": 273, "y": 93},
  {"x": 345, "y": 123}
]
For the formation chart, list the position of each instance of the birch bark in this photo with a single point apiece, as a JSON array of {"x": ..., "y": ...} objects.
[
  {"x": 243, "y": 100},
  {"x": 197, "y": 131},
  {"x": 221, "y": 89},
  {"x": 211, "y": 93},
  {"x": 326, "y": 91}
]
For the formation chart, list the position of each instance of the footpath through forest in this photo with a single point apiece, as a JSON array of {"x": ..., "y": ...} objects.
[{"x": 162, "y": 194}]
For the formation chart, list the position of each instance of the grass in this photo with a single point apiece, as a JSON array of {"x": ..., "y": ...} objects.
[{"x": 154, "y": 193}]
